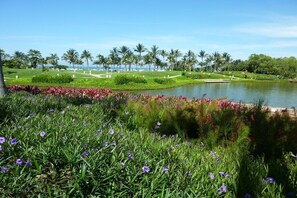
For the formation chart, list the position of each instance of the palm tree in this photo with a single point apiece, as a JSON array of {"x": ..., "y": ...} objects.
[
  {"x": 140, "y": 49},
  {"x": 71, "y": 56},
  {"x": 217, "y": 60},
  {"x": 3, "y": 89},
  {"x": 153, "y": 53},
  {"x": 190, "y": 59},
  {"x": 202, "y": 55},
  {"x": 209, "y": 62},
  {"x": 124, "y": 51},
  {"x": 163, "y": 53},
  {"x": 226, "y": 59},
  {"x": 52, "y": 59},
  {"x": 20, "y": 59},
  {"x": 101, "y": 60},
  {"x": 35, "y": 57},
  {"x": 114, "y": 57},
  {"x": 87, "y": 56}
]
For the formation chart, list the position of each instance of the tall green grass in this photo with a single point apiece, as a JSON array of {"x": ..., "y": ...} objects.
[{"x": 56, "y": 147}]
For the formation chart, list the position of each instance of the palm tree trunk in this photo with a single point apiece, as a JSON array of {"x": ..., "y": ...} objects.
[{"x": 3, "y": 89}]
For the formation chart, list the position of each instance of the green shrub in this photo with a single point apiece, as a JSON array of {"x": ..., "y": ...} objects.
[
  {"x": 125, "y": 79},
  {"x": 46, "y": 78},
  {"x": 164, "y": 81},
  {"x": 59, "y": 67}
]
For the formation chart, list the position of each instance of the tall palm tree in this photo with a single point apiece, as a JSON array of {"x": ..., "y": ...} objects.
[
  {"x": 35, "y": 57},
  {"x": 87, "y": 56},
  {"x": 217, "y": 60},
  {"x": 226, "y": 59},
  {"x": 114, "y": 57},
  {"x": 20, "y": 59},
  {"x": 3, "y": 89},
  {"x": 124, "y": 51},
  {"x": 163, "y": 53},
  {"x": 190, "y": 59},
  {"x": 153, "y": 53},
  {"x": 101, "y": 60},
  {"x": 52, "y": 59},
  {"x": 202, "y": 54},
  {"x": 71, "y": 56},
  {"x": 140, "y": 48}
]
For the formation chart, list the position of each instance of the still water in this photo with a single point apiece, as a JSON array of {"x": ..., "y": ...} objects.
[{"x": 275, "y": 94}]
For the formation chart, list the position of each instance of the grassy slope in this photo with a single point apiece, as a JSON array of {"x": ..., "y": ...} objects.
[{"x": 85, "y": 80}]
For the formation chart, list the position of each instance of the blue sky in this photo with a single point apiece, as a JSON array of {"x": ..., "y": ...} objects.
[{"x": 239, "y": 27}]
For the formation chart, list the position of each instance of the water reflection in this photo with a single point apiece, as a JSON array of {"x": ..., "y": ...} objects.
[{"x": 277, "y": 94}]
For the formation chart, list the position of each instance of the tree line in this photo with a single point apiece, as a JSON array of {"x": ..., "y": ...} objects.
[{"x": 155, "y": 58}]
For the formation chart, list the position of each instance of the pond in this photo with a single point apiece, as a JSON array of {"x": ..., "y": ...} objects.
[{"x": 275, "y": 94}]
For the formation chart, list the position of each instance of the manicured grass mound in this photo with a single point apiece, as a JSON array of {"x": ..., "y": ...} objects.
[
  {"x": 125, "y": 79},
  {"x": 47, "y": 78},
  {"x": 59, "y": 144},
  {"x": 164, "y": 81}
]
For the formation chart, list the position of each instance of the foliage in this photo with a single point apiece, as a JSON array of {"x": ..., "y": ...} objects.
[
  {"x": 84, "y": 153},
  {"x": 59, "y": 67},
  {"x": 164, "y": 80},
  {"x": 125, "y": 79},
  {"x": 46, "y": 78}
]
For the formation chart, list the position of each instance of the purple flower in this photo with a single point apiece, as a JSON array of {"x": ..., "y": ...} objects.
[
  {"x": 111, "y": 131},
  {"x": 222, "y": 189},
  {"x": 4, "y": 169},
  {"x": 227, "y": 175},
  {"x": 130, "y": 156},
  {"x": 14, "y": 141},
  {"x": 268, "y": 179},
  {"x": 247, "y": 195},
  {"x": 165, "y": 169},
  {"x": 163, "y": 136},
  {"x": 99, "y": 131},
  {"x": 127, "y": 112},
  {"x": 189, "y": 173},
  {"x": 52, "y": 110},
  {"x": 217, "y": 159},
  {"x": 211, "y": 175},
  {"x": 19, "y": 161},
  {"x": 28, "y": 163},
  {"x": 221, "y": 173},
  {"x": 106, "y": 143},
  {"x": 42, "y": 133},
  {"x": 213, "y": 153},
  {"x": 122, "y": 165},
  {"x": 2, "y": 140},
  {"x": 85, "y": 154},
  {"x": 145, "y": 169},
  {"x": 158, "y": 123}
]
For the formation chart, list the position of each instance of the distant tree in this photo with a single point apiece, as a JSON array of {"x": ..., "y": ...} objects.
[
  {"x": 114, "y": 57},
  {"x": 3, "y": 89},
  {"x": 202, "y": 54},
  {"x": 140, "y": 48},
  {"x": 87, "y": 56},
  {"x": 164, "y": 54},
  {"x": 190, "y": 60},
  {"x": 226, "y": 59},
  {"x": 101, "y": 60},
  {"x": 124, "y": 50},
  {"x": 52, "y": 59},
  {"x": 217, "y": 60},
  {"x": 71, "y": 56},
  {"x": 34, "y": 57}
]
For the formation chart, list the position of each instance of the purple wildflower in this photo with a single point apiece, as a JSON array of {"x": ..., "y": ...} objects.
[
  {"x": 85, "y": 154},
  {"x": 99, "y": 131},
  {"x": 189, "y": 173},
  {"x": 165, "y": 169},
  {"x": 52, "y": 110},
  {"x": 130, "y": 156},
  {"x": 227, "y": 175},
  {"x": 2, "y": 140},
  {"x": 163, "y": 136},
  {"x": 145, "y": 169},
  {"x": 0, "y": 148},
  {"x": 28, "y": 163},
  {"x": 217, "y": 159},
  {"x": 122, "y": 165},
  {"x": 19, "y": 161},
  {"x": 127, "y": 112},
  {"x": 4, "y": 169},
  {"x": 106, "y": 143},
  {"x": 247, "y": 195},
  {"x": 42, "y": 133},
  {"x": 19, "y": 127},
  {"x": 268, "y": 179},
  {"x": 211, "y": 175},
  {"x": 221, "y": 173},
  {"x": 222, "y": 189},
  {"x": 111, "y": 131},
  {"x": 14, "y": 141},
  {"x": 213, "y": 153}
]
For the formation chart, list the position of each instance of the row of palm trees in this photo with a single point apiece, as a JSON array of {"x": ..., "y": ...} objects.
[{"x": 124, "y": 56}]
